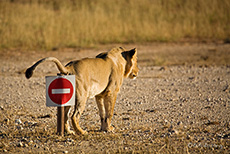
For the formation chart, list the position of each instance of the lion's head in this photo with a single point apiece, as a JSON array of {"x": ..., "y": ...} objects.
[{"x": 131, "y": 69}]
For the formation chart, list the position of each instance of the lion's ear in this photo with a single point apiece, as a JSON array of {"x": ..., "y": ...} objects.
[
  {"x": 102, "y": 55},
  {"x": 132, "y": 52},
  {"x": 129, "y": 54}
]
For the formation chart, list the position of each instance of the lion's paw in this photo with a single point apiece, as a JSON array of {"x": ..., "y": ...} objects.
[
  {"x": 82, "y": 132},
  {"x": 70, "y": 132},
  {"x": 108, "y": 129}
]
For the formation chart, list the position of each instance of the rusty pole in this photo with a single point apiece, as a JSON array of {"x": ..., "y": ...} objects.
[{"x": 60, "y": 120}]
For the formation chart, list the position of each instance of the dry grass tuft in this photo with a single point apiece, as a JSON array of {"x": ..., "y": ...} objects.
[{"x": 72, "y": 23}]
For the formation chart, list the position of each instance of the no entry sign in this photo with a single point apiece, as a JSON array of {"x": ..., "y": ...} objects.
[{"x": 60, "y": 90}]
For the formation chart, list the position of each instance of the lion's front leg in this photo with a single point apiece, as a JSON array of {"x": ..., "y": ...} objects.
[{"x": 109, "y": 103}]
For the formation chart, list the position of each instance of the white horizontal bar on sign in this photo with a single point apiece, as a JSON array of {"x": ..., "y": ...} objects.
[{"x": 61, "y": 91}]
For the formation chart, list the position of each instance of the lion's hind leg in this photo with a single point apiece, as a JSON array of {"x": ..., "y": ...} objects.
[
  {"x": 101, "y": 107},
  {"x": 66, "y": 124},
  {"x": 78, "y": 110}
]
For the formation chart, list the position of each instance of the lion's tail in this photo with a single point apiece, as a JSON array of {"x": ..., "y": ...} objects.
[{"x": 62, "y": 69}]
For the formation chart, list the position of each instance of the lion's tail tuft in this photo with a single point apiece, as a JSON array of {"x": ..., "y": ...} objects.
[{"x": 29, "y": 72}]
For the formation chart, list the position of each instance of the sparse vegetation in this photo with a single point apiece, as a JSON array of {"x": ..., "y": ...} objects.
[{"x": 52, "y": 24}]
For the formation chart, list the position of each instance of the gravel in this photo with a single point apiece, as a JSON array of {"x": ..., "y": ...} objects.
[{"x": 169, "y": 108}]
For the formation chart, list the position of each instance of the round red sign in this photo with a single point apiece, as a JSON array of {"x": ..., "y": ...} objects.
[{"x": 60, "y": 91}]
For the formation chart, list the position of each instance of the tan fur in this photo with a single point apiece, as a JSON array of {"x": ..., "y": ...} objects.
[{"x": 99, "y": 77}]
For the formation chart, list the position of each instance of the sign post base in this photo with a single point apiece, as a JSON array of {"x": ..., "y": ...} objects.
[{"x": 60, "y": 120}]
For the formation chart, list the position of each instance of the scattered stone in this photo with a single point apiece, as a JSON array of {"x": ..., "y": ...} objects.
[
  {"x": 36, "y": 146},
  {"x": 176, "y": 131},
  {"x": 162, "y": 68},
  {"x": 225, "y": 88},
  {"x": 45, "y": 116},
  {"x": 212, "y": 123},
  {"x": 30, "y": 142},
  {"x": 166, "y": 121},
  {"x": 147, "y": 131},
  {"x": 209, "y": 99},
  {"x": 20, "y": 144},
  {"x": 207, "y": 107},
  {"x": 23, "y": 140},
  {"x": 69, "y": 140},
  {"x": 20, "y": 127},
  {"x": 150, "y": 110},
  {"x": 127, "y": 118},
  {"x": 6, "y": 121},
  {"x": 226, "y": 136},
  {"x": 30, "y": 123},
  {"x": 18, "y": 121}
]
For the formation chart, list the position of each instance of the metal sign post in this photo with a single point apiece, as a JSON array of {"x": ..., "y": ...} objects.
[
  {"x": 60, "y": 120},
  {"x": 60, "y": 92}
]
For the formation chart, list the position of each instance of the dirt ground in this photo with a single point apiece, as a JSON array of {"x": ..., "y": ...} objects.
[{"x": 180, "y": 103}]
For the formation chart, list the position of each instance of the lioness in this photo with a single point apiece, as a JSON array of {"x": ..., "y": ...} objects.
[{"x": 101, "y": 77}]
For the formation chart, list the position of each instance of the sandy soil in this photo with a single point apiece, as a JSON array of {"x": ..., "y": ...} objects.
[{"x": 180, "y": 103}]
